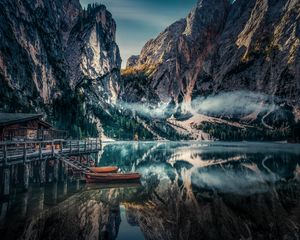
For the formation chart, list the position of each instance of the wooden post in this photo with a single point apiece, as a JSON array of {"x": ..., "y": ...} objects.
[
  {"x": 42, "y": 172},
  {"x": 65, "y": 188},
  {"x": 52, "y": 148},
  {"x": 15, "y": 175},
  {"x": 5, "y": 154},
  {"x": 96, "y": 143},
  {"x": 78, "y": 145},
  {"x": 85, "y": 145},
  {"x": 65, "y": 170},
  {"x": 40, "y": 151},
  {"x": 24, "y": 153},
  {"x": 26, "y": 177},
  {"x": 6, "y": 182},
  {"x": 70, "y": 146},
  {"x": 55, "y": 170},
  {"x": 23, "y": 199},
  {"x": 41, "y": 198},
  {"x": 4, "y": 208},
  {"x": 54, "y": 193},
  {"x": 60, "y": 171},
  {"x": 61, "y": 146},
  {"x": 31, "y": 171},
  {"x": 47, "y": 171}
]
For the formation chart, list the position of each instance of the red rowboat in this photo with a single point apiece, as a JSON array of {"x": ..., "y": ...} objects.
[
  {"x": 109, "y": 169},
  {"x": 111, "y": 177}
]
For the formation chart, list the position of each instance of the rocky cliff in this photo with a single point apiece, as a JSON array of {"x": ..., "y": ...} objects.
[
  {"x": 58, "y": 58},
  {"x": 245, "y": 45},
  {"x": 225, "y": 46}
]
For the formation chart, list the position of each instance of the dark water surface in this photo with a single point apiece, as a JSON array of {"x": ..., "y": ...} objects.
[{"x": 189, "y": 190}]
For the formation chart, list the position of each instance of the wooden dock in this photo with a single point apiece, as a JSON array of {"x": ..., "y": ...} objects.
[
  {"x": 22, "y": 162},
  {"x": 24, "y": 152}
]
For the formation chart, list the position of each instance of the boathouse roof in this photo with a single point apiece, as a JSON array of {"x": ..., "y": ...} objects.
[{"x": 13, "y": 118}]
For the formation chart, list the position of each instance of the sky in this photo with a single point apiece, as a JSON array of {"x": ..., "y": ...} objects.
[{"x": 140, "y": 20}]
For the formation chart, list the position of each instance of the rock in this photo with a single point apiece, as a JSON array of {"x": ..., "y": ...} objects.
[
  {"x": 132, "y": 61},
  {"x": 222, "y": 46},
  {"x": 54, "y": 55},
  {"x": 93, "y": 55},
  {"x": 179, "y": 52}
]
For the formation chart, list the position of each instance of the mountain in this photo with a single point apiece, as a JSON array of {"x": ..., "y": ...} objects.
[
  {"x": 240, "y": 48},
  {"x": 229, "y": 70},
  {"x": 60, "y": 59}
]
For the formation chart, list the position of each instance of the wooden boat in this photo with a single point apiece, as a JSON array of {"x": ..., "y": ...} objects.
[
  {"x": 111, "y": 177},
  {"x": 109, "y": 169}
]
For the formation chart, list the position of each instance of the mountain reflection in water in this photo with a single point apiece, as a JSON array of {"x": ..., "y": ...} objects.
[{"x": 189, "y": 190}]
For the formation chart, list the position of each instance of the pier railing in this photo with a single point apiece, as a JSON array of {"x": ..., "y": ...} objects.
[{"x": 18, "y": 152}]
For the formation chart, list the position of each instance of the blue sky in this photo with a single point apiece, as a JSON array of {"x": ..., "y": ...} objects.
[{"x": 140, "y": 20}]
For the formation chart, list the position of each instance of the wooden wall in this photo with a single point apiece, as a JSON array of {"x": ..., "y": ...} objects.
[{"x": 22, "y": 131}]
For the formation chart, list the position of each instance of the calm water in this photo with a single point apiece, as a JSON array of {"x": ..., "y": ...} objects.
[{"x": 188, "y": 191}]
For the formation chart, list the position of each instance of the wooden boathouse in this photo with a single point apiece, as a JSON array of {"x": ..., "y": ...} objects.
[
  {"x": 33, "y": 150},
  {"x": 20, "y": 126}
]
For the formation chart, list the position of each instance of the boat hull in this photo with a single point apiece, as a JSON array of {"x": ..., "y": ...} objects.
[
  {"x": 111, "y": 177},
  {"x": 110, "y": 169}
]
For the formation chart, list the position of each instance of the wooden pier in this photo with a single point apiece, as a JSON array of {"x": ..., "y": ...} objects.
[
  {"x": 23, "y": 152},
  {"x": 24, "y": 161}
]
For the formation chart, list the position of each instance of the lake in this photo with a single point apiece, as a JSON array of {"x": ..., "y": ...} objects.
[{"x": 188, "y": 190}]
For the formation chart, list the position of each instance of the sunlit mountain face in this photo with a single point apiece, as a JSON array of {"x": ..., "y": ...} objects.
[
  {"x": 140, "y": 20},
  {"x": 188, "y": 190}
]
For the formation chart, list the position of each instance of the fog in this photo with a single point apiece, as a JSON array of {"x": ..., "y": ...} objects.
[
  {"x": 147, "y": 110},
  {"x": 233, "y": 103},
  {"x": 227, "y": 103}
]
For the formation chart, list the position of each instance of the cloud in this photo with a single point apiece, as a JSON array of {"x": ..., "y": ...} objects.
[
  {"x": 158, "y": 111},
  {"x": 237, "y": 102}
]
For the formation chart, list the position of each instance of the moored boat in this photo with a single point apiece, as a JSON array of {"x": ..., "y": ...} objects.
[
  {"x": 111, "y": 177},
  {"x": 109, "y": 169}
]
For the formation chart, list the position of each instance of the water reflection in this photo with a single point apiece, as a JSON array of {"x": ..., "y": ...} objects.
[{"x": 188, "y": 191}]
